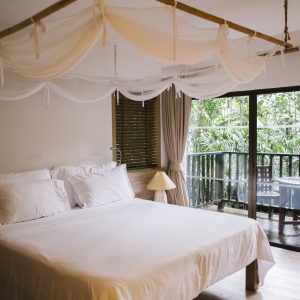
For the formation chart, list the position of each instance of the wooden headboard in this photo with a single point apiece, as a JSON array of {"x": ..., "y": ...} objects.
[{"x": 139, "y": 180}]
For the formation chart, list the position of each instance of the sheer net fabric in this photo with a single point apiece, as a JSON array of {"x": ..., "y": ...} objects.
[{"x": 137, "y": 51}]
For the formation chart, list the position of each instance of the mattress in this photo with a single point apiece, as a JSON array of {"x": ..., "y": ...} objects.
[{"x": 132, "y": 249}]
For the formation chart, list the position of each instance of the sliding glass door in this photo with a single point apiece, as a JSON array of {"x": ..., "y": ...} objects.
[
  {"x": 218, "y": 154},
  {"x": 278, "y": 168},
  {"x": 224, "y": 171}
]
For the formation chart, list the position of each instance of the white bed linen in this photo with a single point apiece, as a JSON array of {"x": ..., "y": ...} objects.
[{"x": 131, "y": 249}]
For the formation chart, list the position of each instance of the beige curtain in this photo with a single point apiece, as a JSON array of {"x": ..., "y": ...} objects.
[{"x": 175, "y": 120}]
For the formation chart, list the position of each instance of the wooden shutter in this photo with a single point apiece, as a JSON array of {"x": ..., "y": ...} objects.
[{"x": 138, "y": 132}]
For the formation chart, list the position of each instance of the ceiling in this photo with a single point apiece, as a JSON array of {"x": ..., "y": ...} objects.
[{"x": 266, "y": 16}]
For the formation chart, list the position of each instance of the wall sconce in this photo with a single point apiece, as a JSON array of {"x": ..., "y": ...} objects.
[{"x": 118, "y": 155}]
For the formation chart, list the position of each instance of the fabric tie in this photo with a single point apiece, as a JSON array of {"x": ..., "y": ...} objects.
[
  {"x": 101, "y": 6},
  {"x": 38, "y": 27},
  {"x": 175, "y": 166},
  {"x": 222, "y": 35},
  {"x": 282, "y": 58},
  {"x": 221, "y": 38}
]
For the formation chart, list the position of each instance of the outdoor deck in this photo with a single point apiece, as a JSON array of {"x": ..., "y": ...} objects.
[
  {"x": 222, "y": 178},
  {"x": 290, "y": 237}
]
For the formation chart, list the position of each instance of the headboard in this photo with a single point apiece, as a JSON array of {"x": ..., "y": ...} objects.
[{"x": 139, "y": 180}]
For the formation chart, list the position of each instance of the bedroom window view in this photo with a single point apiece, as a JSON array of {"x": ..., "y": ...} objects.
[{"x": 217, "y": 160}]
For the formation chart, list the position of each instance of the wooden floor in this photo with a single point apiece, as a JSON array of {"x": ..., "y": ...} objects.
[
  {"x": 281, "y": 283},
  {"x": 289, "y": 237}
]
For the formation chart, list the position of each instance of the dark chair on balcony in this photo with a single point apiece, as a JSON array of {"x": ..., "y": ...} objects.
[
  {"x": 266, "y": 196},
  {"x": 289, "y": 200}
]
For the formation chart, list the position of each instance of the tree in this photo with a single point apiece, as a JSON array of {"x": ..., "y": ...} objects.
[{"x": 221, "y": 124}]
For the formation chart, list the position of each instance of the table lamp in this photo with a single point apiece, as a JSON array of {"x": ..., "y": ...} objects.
[{"x": 160, "y": 183}]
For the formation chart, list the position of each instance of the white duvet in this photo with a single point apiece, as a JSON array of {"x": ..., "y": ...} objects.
[{"x": 132, "y": 249}]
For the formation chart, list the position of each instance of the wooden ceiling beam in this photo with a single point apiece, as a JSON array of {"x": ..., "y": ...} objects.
[
  {"x": 209, "y": 17},
  {"x": 35, "y": 18}
]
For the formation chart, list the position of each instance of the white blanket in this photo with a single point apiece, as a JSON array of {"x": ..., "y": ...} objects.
[{"x": 132, "y": 249}]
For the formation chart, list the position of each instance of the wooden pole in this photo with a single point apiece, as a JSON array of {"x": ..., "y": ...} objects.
[
  {"x": 204, "y": 15},
  {"x": 251, "y": 270},
  {"x": 181, "y": 6},
  {"x": 35, "y": 18}
]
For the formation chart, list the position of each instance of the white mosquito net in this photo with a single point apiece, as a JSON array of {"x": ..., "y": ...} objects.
[{"x": 137, "y": 51}]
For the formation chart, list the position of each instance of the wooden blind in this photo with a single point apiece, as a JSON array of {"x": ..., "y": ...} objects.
[{"x": 138, "y": 132}]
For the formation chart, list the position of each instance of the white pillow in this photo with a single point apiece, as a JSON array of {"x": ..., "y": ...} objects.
[
  {"x": 64, "y": 172},
  {"x": 42, "y": 174},
  {"x": 98, "y": 189},
  {"x": 22, "y": 201},
  {"x": 122, "y": 169}
]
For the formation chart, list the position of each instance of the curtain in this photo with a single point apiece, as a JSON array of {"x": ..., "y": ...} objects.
[{"x": 176, "y": 108}]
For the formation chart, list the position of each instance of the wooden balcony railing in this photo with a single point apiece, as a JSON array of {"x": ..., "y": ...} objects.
[{"x": 217, "y": 176}]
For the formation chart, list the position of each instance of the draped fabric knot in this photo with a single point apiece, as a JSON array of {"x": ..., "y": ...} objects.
[
  {"x": 250, "y": 38},
  {"x": 222, "y": 39},
  {"x": 38, "y": 28},
  {"x": 223, "y": 34},
  {"x": 282, "y": 58},
  {"x": 101, "y": 6},
  {"x": 177, "y": 92},
  {"x": 175, "y": 166}
]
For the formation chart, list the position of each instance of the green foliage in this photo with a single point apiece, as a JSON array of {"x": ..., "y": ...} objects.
[{"x": 221, "y": 124}]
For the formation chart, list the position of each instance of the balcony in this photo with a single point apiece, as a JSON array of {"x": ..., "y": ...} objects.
[{"x": 218, "y": 180}]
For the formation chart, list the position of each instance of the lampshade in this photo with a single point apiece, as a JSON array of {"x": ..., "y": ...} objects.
[{"x": 161, "y": 182}]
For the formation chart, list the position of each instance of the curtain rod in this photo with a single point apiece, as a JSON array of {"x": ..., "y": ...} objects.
[
  {"x": 179, "y": 5},
  {"x": 204, "y": 15},
  {"x": 35, "y": 18}
]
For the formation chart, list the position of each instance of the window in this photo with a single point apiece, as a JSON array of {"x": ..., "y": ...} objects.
[{"x": 137, "y": 132}]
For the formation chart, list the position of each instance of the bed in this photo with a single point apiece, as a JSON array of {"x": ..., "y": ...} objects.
[
  {"x": 130, "y": 249},
  {"x": 77, "y": 232}
]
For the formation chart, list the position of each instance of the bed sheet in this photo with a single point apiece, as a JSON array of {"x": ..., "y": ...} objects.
[{"x": 132, "y": 249}]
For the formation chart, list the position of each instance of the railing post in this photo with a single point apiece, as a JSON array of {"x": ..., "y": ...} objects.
[
  {"x": 220, "y": 182},
  {"x": 290, "y": 165},
  {"x": 188, "y": 180},
  {"x": 272, "y": 165},
  {"x": 207, "y": 185},
  {"x": 198, "y": 181},
  {"x": 229, "y": 176},
  {"x": 193, "y": 180}
]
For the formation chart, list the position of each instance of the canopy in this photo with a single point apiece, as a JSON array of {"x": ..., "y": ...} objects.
[{"x": 137, "y": 51}]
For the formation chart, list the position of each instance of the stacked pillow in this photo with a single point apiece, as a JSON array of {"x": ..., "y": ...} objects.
[
  {"x": 66, "y": 172},
  {"x": 34, "y": 194},
  {"x": 31, "y": 195},
  {"x": 102, "y": 187}
]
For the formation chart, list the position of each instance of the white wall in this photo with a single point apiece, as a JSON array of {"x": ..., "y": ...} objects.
[{"x": 32, "y": 136}]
